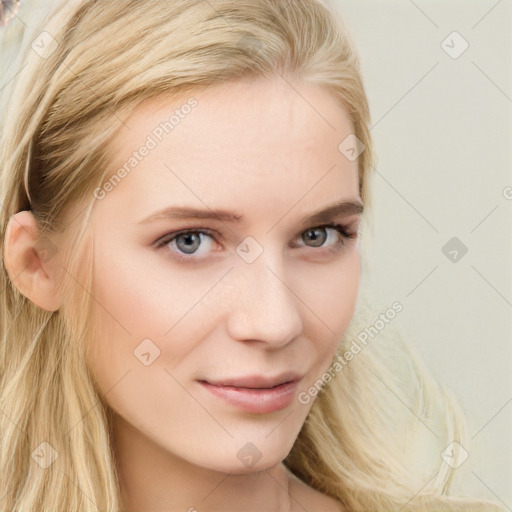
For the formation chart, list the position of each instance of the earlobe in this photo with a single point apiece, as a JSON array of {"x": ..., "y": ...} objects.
[{"x": 28, "y": 261}]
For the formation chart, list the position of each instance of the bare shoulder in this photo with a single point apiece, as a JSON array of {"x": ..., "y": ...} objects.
[{"x": 305, "y": 497}]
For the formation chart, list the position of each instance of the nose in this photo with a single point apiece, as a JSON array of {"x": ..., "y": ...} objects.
[{"x": 262, "y": 306}]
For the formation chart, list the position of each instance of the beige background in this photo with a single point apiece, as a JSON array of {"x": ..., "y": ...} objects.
[{"x": 443, "y": 134}]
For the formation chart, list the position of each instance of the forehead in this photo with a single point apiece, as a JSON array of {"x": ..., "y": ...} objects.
[{"x": 269, "y": 140}]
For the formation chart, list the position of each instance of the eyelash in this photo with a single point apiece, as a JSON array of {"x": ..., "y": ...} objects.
[{"x": 182, "y": 257}]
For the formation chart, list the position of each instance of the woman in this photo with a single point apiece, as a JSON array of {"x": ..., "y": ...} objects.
[{"x": 183, "y": 186}]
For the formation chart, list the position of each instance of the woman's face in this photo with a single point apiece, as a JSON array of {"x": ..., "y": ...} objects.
[{"x": 264, "y": 297}]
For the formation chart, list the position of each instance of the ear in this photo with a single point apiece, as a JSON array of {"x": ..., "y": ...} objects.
[{"x": 30, "y": 261}]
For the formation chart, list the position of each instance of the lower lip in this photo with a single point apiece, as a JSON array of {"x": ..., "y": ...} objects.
[{"x": 255, "y": 400}]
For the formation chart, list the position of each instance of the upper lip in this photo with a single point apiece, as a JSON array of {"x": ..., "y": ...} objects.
[{"x": 256, "y": 381}]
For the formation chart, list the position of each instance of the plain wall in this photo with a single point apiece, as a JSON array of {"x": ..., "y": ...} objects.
[{"x": 442, "y": 127}]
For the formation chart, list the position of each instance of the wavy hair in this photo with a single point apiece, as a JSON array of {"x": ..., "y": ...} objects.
[{"x": 103, "y": 59}]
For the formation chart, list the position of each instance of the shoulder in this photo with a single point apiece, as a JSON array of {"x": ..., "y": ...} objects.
[{"x": 305, "y": 497}]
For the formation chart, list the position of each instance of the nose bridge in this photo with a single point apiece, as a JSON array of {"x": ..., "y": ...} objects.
[{"x": 263, "y": 307}]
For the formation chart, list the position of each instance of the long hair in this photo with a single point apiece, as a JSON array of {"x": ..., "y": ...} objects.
[{"x": 96, "y": 62}]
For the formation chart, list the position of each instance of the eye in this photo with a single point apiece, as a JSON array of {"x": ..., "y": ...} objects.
[
  {"x": 193, "y": 245},
  {"x": 186, "y": 243},
  {"x": 318, "y": 235}
]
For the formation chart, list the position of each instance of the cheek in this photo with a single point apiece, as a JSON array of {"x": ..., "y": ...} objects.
[
  {"x": 139, "y": 319},
  {"x": 330, "y": 291},
  {"x": 137, "y": 299},
  {"x": 330, "y": 295},
  {"x": 143, "y": 292}
]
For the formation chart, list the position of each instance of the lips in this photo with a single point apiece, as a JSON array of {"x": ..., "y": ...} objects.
[
  {"x": 255, "y": 394},
  {"x": 256, "y": 381}
]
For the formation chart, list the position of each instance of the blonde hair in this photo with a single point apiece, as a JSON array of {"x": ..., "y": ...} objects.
[{"x": 64, "y": 109}]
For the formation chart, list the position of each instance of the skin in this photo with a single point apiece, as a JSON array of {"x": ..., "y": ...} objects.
[{"x": 269, "y": 152}]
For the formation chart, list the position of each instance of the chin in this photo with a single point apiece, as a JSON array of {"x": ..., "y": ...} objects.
[
  {"x": 241, "y": 462},
  {"x": 240, "y": 469}
]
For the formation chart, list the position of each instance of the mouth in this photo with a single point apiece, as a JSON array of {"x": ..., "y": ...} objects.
[
  {"x": 256, "y": 381},
  {"x": 255, "y": 394}
]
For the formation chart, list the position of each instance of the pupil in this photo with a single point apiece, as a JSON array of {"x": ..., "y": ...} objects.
[
  {"x": 191, "y": 244},
  {"x": 318, "y": 240}
]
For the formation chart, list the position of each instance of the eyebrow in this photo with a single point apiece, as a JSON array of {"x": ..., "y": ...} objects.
[{"x": 343, "y": 208}]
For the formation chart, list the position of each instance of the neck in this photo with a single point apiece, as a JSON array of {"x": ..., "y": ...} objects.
[{"x": 152, "y": 479}]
